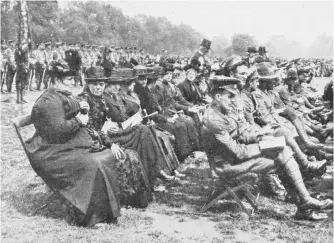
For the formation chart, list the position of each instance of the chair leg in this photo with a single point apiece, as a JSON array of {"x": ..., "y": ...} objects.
[
  {"x": 215, "y": 200},
  {"x": 235, "y": 197},
  {"x": 47, "y": 201}
]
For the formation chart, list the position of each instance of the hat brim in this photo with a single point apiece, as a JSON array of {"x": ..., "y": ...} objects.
[
  {"x": 120, "y": 80},
  {"x": 268, "y": 78},
  {"x": 89, "y": 80}
]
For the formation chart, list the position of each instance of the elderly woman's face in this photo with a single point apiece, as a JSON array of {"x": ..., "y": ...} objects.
[
  {"x": 191, "y": 75},
  {"x": 69, "y": 82},
  {"x": 113, "y": 88},
  {"x": 96, "y": 88}
]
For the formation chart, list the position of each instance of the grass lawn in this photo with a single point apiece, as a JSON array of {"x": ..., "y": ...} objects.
[{"x": 163, "y": 221}]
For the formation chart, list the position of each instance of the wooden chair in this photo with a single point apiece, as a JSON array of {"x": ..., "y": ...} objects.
[
  {"x": 224, "y": 189},
  {"x": 19, "y": 123}
]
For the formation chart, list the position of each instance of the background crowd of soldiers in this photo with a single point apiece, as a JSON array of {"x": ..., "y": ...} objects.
[{"x": 49, "y": 60}]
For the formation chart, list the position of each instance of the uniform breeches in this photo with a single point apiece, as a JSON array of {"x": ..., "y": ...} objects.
[
  {"x": 22, "y": 79},
  {"x": 10, "y": 77},
  {"x": 259, "y": 165}
]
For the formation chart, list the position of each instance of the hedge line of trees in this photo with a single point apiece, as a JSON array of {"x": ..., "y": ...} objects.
[
  {"x": 99, "y": 23},
  {"x": 95, "y": 22}
]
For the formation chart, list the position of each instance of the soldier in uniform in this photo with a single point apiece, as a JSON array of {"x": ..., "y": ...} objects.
[
  {"x": 41, "y": 64},
  {"x": 267, "y": 100},
  {"x": 225, "y": 145},
  {"x": 3, "y": 63},
  {"x": 243, "y": 109},
  {"x": 22, "y": 61},
  {"x": 10, "y": 65}
]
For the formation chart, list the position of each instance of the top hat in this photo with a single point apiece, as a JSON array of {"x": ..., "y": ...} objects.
[
  {"x": 206, "y": 43},
  {"x": 251, "y": 49},
  {"x": 266, "y": 71},
  {"x": 262, "y": 49},
  {"x": 292, "y": 73},
  {"x": 95, "y": 74}
]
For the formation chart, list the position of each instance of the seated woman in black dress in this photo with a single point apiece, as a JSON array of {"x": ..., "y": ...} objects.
[
  {"x": 132, "y": 178},
  {"x": 138, "y": 137},
  {"x": 183, "y": 129},
  {"x": 62, "y": 154}
]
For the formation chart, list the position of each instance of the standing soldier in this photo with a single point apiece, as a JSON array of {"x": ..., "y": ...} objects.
[
  {"x": 3, "y": 63},
  {"x": 62, "y": 50},
  {"x": 32, "y": 69},
  {"x": 41, "y": 61},
  {"x": 10, "y": 65}
]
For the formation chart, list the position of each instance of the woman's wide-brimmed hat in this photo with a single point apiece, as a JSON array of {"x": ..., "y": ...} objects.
[
  {"x": 121, "y": 80},
  {"x": 266, "y": 71},
  {"x": 95, "y": 74}
]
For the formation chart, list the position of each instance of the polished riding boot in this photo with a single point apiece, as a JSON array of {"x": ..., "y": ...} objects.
[
  {"x": 270, "y": 186},
  {"x": 22, "y": 95},
  {"x": 324, "y": 155},
  {"x": 315, "y": 168},
  {"x": 294, "y": 181},
  {"x": 303, "y": 136},
  {"x": 18, "y": 97},
  {"x": 321, "y": 133}
]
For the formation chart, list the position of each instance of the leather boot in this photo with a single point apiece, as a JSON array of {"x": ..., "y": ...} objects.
[
  {"x": 303, "y": 136},
  {"x": 294, "y": 181},
  {"x": 271, "y": 188},
  {"x": 324, "y": 155},
  {"x": 314, "y": 168},
  {"x": 321, "y": 133},
  {"x": 18, "y": 97},
  {"x": 328, "y": 148},
  {"x": 22, "y": 95}
]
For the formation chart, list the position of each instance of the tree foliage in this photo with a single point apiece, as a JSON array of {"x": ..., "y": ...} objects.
[
  {"x": 93, "y": 22},
  {"x": 240, "y": 43}
]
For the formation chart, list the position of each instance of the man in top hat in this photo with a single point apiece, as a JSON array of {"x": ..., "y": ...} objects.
[
  {"x": 199, "y": 56},
  {"x": 252, "y": 53},
  {"x": 225, "y": 143}
]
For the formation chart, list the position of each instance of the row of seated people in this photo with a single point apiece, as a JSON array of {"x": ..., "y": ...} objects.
[{"x": 98, "y": 152}]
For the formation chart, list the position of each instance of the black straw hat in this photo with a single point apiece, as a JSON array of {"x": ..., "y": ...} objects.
[{"x": 95, "y": 74}]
